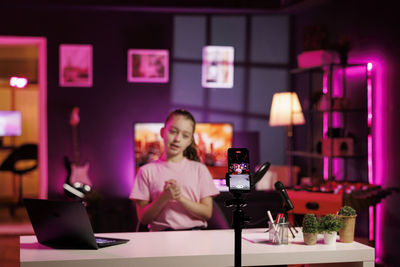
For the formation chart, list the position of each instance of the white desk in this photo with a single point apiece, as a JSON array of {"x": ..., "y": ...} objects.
[{"x": 193, "y": 248}]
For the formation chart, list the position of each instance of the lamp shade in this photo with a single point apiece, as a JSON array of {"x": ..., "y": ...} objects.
[{"x": 286, "y": 110}]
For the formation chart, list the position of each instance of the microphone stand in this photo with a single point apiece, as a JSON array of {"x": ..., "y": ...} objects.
[
  {"x": 291, "y": 226},
  {"x": 239, "y": 220}
]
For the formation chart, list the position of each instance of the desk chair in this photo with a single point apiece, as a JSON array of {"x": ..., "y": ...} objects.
[
  {"x": 21, "y": 160},
  {"x": 217, "y": 220}
]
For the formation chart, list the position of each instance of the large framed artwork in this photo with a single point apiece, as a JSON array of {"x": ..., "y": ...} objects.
[
  {"x": 76, "y": 65},
  {"x": 148, "y": 66},
  {"x": 217, "y": 70}
]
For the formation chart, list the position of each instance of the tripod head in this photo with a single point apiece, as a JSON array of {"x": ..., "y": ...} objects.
[
  {"x": 237, "y": 201},
  {"x": 244, "y": 184}
]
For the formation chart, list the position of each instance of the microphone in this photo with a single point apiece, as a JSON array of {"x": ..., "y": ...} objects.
[{"x": 282, "y": 191}]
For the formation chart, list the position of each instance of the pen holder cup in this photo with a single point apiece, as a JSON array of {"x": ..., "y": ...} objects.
[{"x": 280, "y": 234}]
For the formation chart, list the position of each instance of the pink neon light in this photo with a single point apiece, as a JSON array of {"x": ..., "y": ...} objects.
[
  {"x": 369, "y": 104},
  {"x": 325, "y": 125},
  {"x": 371, "y": 223},
  {"x": 325, "y": 83},
  {"x": 325, "y": 133},
  {"x": 369, "y": 93},
  {"x": 378, "y": 99},
  {"x": 18, "y": 82},
  {"x": 378, "y": 234},
  {"x": 379, "y": 152},
  {"x": 370, "y": 155},
  {"x": 369, "y": 66},
  {"x": 370, "y": 161}
]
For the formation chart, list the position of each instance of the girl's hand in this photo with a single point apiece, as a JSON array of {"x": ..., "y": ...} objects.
[
  {"x": 173, "y": 189},
  {"x": 167, "y": 193}
]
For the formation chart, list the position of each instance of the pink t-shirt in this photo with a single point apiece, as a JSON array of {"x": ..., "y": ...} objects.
[{"x": 194, "y": 180}]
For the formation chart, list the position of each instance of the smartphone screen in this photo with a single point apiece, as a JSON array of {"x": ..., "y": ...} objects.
[{"x": 238, "y": 169}]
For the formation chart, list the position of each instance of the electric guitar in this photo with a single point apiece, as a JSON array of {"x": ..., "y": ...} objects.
[{"x": 77, "y": 172}]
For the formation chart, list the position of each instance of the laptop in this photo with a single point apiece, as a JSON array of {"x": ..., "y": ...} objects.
[{"x": 65, "y": 224}]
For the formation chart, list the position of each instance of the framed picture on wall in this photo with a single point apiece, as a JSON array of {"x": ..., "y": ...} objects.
[
  {"x": 76, "y": 65},
  {"x": 148, "y": 66},
  {"x": 217, "y": 70}
]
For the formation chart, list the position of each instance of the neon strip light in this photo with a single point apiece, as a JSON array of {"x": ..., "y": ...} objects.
[
  {"x": 325, "y": 83},
  {"x": 325, "y": 125},
  {"x": 371, "y": 223},
  {"x": 369, "y": 106},
  {"x": 369, "y": 94},
  {"x": 370, "y": 161},
  {"x": 326, "y": 159},
  {"x": 378, "y": 237}
]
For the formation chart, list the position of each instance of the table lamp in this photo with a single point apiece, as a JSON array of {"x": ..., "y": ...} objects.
[{"x": 286, "y": 111}]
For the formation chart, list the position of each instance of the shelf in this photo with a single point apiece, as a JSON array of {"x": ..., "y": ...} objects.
[
  {"x": 320, "y": 68},
  {"x": 348, "y": 110},
  {"x": 320, "y": 156}
]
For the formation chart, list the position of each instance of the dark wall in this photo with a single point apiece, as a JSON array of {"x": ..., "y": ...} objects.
[
  {"x": 375, "y": 37},
  {"x": 109, "y": 108}
]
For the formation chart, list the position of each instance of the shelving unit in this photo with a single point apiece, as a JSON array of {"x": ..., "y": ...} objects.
[{"x": 341, "y": 107}]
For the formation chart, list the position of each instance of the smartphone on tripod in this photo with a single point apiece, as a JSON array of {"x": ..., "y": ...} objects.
[{"x": 238, "y": 170}]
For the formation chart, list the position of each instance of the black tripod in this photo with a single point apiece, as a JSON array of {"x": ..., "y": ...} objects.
[{"x": 239, "y": 220}]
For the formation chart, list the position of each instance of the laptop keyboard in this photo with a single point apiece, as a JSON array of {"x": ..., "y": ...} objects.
[{"x": 103, "y": 241}]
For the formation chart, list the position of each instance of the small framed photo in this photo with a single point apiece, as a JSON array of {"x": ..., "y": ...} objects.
[
  {"x": 76, "y": 65},
  {"x": 148, "y": 66},
  {"x": 217, "y": 70}
]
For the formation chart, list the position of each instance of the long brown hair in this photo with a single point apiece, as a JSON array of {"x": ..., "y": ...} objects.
[{"x": 191, "y": 151}]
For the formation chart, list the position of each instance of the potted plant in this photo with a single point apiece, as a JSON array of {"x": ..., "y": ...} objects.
[
  {"x": 348, "y": 216},
  {"x": 310, "y": 229},
  {"x": 329, "y": 225}
]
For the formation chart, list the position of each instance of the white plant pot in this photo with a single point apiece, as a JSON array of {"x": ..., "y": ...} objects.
[{"x": 330, "y": 238}]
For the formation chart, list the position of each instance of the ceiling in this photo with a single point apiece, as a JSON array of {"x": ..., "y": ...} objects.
[{"x": 239, "y": 5}]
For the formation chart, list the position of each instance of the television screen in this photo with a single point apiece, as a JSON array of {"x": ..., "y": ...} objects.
[
  {"x": 10, "y": 123},
  {"x": 212, "y": 140}
]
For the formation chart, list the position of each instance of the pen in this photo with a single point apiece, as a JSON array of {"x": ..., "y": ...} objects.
[
  {"x": 276, "y": 233},
  {"x": 271, "y": 219},
  {"x": 278, "y": 218}
]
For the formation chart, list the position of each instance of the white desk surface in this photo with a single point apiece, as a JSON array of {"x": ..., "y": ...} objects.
[{"x": 194, "y": 248}]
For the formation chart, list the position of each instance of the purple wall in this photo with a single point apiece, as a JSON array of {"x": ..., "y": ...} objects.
[
  {"x": 375, "y": 36},
  {"x": 109, "y": 108}
]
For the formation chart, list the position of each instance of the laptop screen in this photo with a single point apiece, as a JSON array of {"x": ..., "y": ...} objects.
[{"x": 61, "y": 224}]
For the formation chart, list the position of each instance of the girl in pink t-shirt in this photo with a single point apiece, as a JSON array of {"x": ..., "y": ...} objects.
[{"x": 175, "y": 192}]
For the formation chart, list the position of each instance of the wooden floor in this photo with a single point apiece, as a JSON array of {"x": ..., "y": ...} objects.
[{"x": 11, "y": 227}]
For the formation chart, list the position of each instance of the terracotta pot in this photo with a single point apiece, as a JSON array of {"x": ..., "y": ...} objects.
[
  {"x": 346, "y": 234},
  {"x": 310, "y": 238}
]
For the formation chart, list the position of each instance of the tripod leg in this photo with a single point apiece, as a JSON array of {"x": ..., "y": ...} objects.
[
  {"x": 291, "y": 231},
  {"x": 238, "y": 247}
]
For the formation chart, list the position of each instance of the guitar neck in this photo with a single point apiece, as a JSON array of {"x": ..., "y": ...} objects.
[{"x": 75, "y": 144}]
